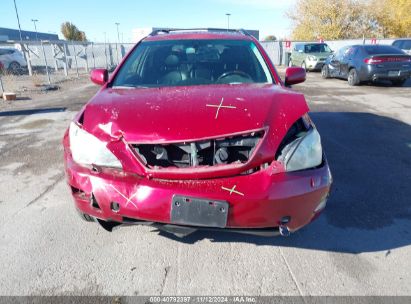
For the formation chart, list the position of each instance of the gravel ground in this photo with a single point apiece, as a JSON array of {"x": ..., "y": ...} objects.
[
  {"x": 361, "y": 245},
  {"x": 34, "y": 87}
]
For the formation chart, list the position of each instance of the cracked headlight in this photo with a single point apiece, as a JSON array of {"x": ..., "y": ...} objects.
[
  {"x": 88, "y": 150},
  {"x": 304, "y": 152}
]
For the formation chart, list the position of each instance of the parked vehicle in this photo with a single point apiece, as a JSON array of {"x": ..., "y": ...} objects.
[
  {"x": 310, "y": 56},
  {"x": 12, "y": 60},
  {"x": 368, "y": 63},
  {"x": 403, "y": 44},
  {"x": 195, "y": 129}
]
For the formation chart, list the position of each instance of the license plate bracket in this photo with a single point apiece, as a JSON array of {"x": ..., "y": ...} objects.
[
  {"x": 393, "y": 73},
  {"x": 193, "y": 211}
]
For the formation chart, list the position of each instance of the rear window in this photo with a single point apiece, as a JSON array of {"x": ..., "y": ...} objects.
[
  {"x": 193, "y": 62},
  {"x": 381, "y": 49}
]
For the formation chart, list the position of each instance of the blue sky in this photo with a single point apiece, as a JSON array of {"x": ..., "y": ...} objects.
[{"x": 96, "y": 17}]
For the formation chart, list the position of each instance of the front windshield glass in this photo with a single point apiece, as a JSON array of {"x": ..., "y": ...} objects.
[
  {"x": 317, "y": 48},
  {"x": 193, "y": 62}
]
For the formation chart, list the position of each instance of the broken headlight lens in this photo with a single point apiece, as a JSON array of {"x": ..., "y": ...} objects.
[
  {"x": 89, "y": 150},
  {"x": 304, "y": 152}
]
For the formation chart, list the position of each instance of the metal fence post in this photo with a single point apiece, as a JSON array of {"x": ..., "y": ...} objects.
[
  {"x": 86, "y": 57},
  {"x": 105, "y": 54},
  {"x": 92, "y": 54},
  {"x": 53, "y": 49},
  {"x": 75, "y": 58},
  {"x": 110, "y": 52},
  {"x": 1, "y": 86},
  {"x": 65, "y": 59},
  {"x": 280, "y": 46},
  {"x": 45, "y": 61},
  {"x": 28, "y": 57},
  {"x": 118, "y": 59}
]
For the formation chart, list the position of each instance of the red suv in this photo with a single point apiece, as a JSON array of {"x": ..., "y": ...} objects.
[{"x": 195, "y": 129}]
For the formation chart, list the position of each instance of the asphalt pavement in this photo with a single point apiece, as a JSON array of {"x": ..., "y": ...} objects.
[{"x": 361, "y": 245}]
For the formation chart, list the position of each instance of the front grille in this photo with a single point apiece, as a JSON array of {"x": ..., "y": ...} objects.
[{"x": 220, "y": 151}]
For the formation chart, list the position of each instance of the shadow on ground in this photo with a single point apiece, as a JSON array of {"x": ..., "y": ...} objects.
[
  {"x": 370, "y": 204},
  {"x": 32, "y": 111}
]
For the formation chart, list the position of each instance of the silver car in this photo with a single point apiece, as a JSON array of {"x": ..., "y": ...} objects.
[{"x": 12, "y": 60}]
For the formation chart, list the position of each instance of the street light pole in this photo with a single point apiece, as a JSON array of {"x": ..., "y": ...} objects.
[
  {"x": 26, "y": 55},
  {"x": 118, "y": 41},
  {"x": 228, "y": 20},
  {"x": 35, "y": 27},
  {"x": 18, "y": 20}
]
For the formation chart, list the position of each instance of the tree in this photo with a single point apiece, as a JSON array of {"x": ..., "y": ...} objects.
[
  {"x": 392, "y": 16},
  {"x": 334, "y": 19},
  {"x": 270, "y": 38},
  {"x": 71, "y": 32}
]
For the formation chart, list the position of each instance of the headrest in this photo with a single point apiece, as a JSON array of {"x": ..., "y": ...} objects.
[{"x": 171, "y": 60}]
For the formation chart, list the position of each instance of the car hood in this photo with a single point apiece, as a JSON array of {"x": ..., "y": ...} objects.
[{"x": 176, "y": 114}]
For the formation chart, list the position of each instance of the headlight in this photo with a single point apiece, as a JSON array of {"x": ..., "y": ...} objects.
[
  {"x": 88, "y": 150},
  {"x": 304, "y": 152},
  {"x": 312, "y": 58}
]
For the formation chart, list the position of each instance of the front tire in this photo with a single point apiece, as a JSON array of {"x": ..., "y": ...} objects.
[
  {"x": 353, "y": 79},
  {"x": 325, "y": 73}
]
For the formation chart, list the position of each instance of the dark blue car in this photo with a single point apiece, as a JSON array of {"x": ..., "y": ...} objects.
[{"x": 368, "y": 63}]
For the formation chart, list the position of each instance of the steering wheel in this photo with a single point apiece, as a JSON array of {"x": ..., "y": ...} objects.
[{"x": 240, "y": 73}]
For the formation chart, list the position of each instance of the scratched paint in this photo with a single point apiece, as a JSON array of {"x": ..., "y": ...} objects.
[{"x": 220, "y": 106}]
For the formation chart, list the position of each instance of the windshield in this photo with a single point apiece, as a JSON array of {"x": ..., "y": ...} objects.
[
  {"x": 193, "y": 62},
  {"x": 317, "y": 48}
]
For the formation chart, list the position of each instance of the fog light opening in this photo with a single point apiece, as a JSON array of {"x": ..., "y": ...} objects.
[
  {"x": 115, "y": 207},
  {"x": 78, "y": 193}
]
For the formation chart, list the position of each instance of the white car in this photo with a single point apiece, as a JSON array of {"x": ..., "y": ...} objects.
[{"x": 12, "y": 60}]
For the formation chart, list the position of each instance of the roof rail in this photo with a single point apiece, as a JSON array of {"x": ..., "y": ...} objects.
[{"x": 167, "y": 31}]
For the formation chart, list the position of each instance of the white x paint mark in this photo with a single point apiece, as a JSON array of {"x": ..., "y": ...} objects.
[
  {"x": 128, "y": 200},
  {"x": 232, "y": 190},
  {"x": 219, "y": 107}
]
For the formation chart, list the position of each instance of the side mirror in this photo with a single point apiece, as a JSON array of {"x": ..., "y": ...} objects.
[
  {"x": 99, "y": 76},
  {"x": 294, "y": 75}
]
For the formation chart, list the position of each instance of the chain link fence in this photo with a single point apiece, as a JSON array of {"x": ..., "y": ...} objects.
[
  {"x": 48, "y": 63},
  {"x": 35, "y": 65}
]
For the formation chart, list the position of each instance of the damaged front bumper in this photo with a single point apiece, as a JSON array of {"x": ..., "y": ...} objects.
[{"x": 264, "y": 201}]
